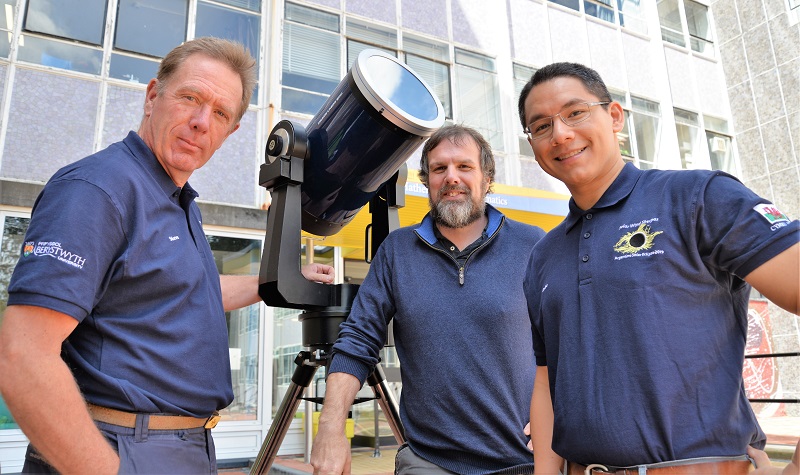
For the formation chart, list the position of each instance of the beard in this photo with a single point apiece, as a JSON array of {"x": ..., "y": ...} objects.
[{"x": 457, "y": 214}]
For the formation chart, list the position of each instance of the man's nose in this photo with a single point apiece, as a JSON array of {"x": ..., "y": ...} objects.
[
  {"x": 201, "y": 118},
  {"x": 561, "y": 131}
]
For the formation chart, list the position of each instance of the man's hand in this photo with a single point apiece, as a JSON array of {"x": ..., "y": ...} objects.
[
  {"x": 764, "y": 466},
  {"x": 527, "y": 431},
  {"x": 318, "y": 273},
  {"x": 330, "y": 454}
]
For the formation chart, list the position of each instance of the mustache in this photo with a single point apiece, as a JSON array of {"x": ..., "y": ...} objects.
[{"x": 448, "y": 188}]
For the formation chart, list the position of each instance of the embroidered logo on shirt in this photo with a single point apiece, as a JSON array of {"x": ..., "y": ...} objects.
[
  {"x": 174, "y": 238},
  {"x": 53, "y": 249},
  {"x": 632, "y": 243},
  {"x": 773, "y": 215}
]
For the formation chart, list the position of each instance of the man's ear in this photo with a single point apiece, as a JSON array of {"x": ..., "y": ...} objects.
[
  {"x": 150, "y": 96},
  {"x": 617, "y": 116}
]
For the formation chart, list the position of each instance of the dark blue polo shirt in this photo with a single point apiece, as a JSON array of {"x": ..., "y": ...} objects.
[
  {"x": 115, "y": 244},
  {"x": 640, "y": 314}
]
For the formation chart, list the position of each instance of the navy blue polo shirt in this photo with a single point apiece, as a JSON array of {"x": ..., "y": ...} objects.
[
  {"x": 640, "y": 314},
  {"x": 115, "y": 244}
]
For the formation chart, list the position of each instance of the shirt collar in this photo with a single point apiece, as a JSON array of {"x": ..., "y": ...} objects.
[
  {"x": 148, "y": 159},
  {"x": 425, "y": 230},
  {"x": 620, "y": 188}
]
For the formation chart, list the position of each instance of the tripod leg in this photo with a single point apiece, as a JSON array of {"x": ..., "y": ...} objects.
[
  {"x": 301, "y": 379},
  {"x": 385, "y": 397}
]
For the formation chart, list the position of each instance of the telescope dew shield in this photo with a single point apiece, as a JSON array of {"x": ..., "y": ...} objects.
[{"x": 373, "y": 121}]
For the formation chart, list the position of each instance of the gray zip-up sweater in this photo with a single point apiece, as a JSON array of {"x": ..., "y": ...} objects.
[{"x": 463, "y": 337}]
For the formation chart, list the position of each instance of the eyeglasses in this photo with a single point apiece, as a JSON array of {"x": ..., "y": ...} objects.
[{"x": 572, "y": 115}]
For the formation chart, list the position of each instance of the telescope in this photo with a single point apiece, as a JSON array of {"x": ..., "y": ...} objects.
[{"x": 351, "y": 153}]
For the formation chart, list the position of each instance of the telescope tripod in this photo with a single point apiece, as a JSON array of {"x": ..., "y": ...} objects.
[{"x": 307, "y": 364}]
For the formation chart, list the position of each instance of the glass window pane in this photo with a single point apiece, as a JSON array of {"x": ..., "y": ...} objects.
[
  {"x": 310, "y": 58},
  {"x": 720, "y": 150},
  {"x": 598, "y": 10},
  {"x": 354, "y": 48},
  {"x": 14, "y": 228},
  {"x": 252, "y": 5},
  {"x": 697, "y": 20},
  {"x": 221, "y": 22},
  {"x": 479, "y": 103},
  {"x": 670, "y": 18},
  {"x": 59, "y": 54},
  {"x": 151, "y": 27},
  {"x": 133, "y": 69},
  {"x": 646, "y": 129},
  {"x": 300, "y": 101},
  {"x": 573, "y": 4},
  {"x": 437, "y": 76},
  {"x": 715, "y": 124},
  {"x": 475, "y": 60},
  {"x": 687, "y": 138},
  {"x": 522, "y": 74},
  {"x": 311, "y": 17},
  {"x": 372, "y": 34},
  {"x": 631, "y": 15},
  {"x": 427, "y": 48},
  {"x": 241, "y": 256},
  {"x": 82, "y": 20}
]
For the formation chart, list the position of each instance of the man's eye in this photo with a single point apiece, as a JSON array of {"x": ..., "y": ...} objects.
[
  {"x": 576, "y": 113},
  {"x": 541, "y": 127}
]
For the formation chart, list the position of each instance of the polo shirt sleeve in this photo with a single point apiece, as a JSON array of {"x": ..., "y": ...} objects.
[
  {"x": 70, "y": 248},
  {"x": 738, "y": 231}
]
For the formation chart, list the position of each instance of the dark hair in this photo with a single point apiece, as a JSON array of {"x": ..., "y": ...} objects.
[
  {"x": 229, "y": 52},
  {"x": 456, "y": 135},
  {"x": 589, "y": 77}
]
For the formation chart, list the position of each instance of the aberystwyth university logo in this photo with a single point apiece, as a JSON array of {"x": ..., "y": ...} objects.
[{"x": 632, "y": 243}]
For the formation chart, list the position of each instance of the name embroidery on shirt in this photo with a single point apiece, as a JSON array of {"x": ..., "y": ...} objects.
[
  {"x": 773, "y": 215},
  {"x": 174, "y": 238},
  {"x": 632, "y": 244},
  {"x": 53, "y": 249}
]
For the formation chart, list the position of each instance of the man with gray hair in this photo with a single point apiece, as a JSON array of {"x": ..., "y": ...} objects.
[{"x": 114, "y": 345}]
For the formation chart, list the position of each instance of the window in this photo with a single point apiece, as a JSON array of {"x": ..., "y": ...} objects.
[
  {"x": 631, "y": 15},
  {"x": 670, "y": 17},
  {"x": 311, "y": 58},
  {"x": 699, "y": 29},
  {"x": 80, "y": 20},
  {"x": 720, "y": 147},
  {"x": 477, "y": 95},
  {"x": 6, "y": 26},
  {"x": 241, "y": 256},
  {"x": 232, "y": 24},
  {"x": 14, "y": 228},
  {"x": 646, "y": 124},
  {"x": 688, "y": 129},
  {"x": 603, "y": 9},
  {"x": 522, "y": 74},
  {"x": 627, "y": 13},
  {"x": 431, "y": 61},
  {"x": 361, "y": 36},
  {"x": 80, "y": 23},
  {"x": 697, "y": 24},
  {"x": 150, "y": 27}
]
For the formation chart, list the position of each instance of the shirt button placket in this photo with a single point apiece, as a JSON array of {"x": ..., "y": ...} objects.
[{"x": 584, "y": 249}]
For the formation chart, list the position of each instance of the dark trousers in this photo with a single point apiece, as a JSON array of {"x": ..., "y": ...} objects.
[{"x": 189, "y": 451}]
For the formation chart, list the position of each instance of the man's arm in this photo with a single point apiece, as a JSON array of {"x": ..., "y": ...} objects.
[
  {"x": 239, "y": 291},
  {"x": 42, "y": 395},
  {"x": 545, "y": 461},
  {"x": 778, "y": 279},
  {"x": 330, "y": 454}
]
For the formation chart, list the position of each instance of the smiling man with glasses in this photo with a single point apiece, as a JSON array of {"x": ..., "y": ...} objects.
[{"x": 638, "y": 299}]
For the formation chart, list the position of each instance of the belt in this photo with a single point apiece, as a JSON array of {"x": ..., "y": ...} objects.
[
  {"x": 698, "y": 466},
  {"x": 156, "y": 421}
]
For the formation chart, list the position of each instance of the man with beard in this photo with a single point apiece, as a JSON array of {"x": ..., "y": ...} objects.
[{"x": 453, "y": 285}]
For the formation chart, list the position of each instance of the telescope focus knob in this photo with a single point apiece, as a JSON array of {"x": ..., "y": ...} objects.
[{"x": 274, "y": 145}]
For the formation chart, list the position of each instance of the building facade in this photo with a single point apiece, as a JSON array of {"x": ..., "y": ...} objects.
[{"x": 705, "y": 84}]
